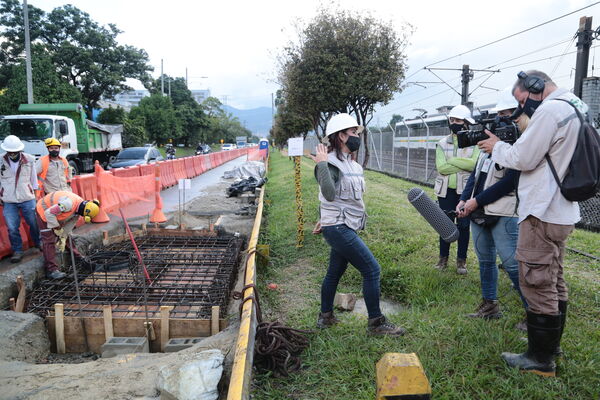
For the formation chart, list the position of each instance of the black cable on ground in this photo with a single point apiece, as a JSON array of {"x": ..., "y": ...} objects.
[{"x": 278, "y": 347}]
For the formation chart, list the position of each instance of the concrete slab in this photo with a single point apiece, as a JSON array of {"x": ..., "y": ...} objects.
[
  {"x": 124, "y": 345},
  {"x": 23, "y": 337}
]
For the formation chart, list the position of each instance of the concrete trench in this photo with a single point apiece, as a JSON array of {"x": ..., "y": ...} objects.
[{"x": 28, "y": 368}]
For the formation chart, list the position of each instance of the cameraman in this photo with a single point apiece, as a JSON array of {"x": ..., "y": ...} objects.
[
  {"x": 454, "y": 166},
  {"x": 489, "y": 199},
  {"x": 546, "y": 218}
]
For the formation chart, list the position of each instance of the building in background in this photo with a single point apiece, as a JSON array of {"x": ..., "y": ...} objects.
[
  {"x": 130, "y": 99},
  {"x": 590, "y": 95},
  {"x": 200, "y": 95}
]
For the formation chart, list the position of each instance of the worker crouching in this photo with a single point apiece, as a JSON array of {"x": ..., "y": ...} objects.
[{"x": 57, "y": 213}]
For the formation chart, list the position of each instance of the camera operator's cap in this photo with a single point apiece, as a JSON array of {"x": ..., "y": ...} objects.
[
  {"x": 341, "y": 122},
  {"x": 506, "y": 100},
  {"x": 461, "y": 112},
  {"x": 12, "y": 144}
]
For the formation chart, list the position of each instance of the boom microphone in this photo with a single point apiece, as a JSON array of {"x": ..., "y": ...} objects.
[{"x": 436, "y": 217}]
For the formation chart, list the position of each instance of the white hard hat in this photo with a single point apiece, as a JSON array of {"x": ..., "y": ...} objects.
[
  {"x": 12, "y": 144},
  {"x": 461, "y": 112},
  {"x": 341, "y": 122},
  {"x": 506, "y": 100}
]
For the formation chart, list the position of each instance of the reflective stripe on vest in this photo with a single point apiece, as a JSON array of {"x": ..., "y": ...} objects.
[{"x": 52, "y": 199}]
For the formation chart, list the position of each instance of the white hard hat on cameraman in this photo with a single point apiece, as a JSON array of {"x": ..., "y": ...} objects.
[
  {"x": 12, "y": 144},
  {"x": 461, "y": 112},
  {"x": 506, "y": 100},
  {"x": 341, "y": 122}
]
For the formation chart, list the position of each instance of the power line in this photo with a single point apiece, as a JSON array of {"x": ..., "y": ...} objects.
[
  {"x": 532, "y": 52},
  {"x": 544, "y": 59},
  {"x": 504, "y": 38}
]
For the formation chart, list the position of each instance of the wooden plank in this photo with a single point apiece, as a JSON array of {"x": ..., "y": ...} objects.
[
  {"x": 165, "y": 311},
  {"x": 20, "y": 304},
  {"x": 214, "y": 321},
  {"x": 108, "y": 324},
  {"x": 60, "y": 328}
]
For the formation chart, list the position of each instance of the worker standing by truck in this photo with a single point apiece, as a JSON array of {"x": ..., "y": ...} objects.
[
  {"x": 57, "y": 213},
  {"x": 17, "y": 184},
  {"x": 53, "y": 170}
]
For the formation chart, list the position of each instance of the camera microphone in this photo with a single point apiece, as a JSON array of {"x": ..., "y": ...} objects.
[{"x": 433, "y": 214}]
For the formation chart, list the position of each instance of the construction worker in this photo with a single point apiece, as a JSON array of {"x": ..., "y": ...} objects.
[
  {"x": 53, "y": 170},
  {"x": 57, "y": 213},
  {"x": 17, "y": 185}
]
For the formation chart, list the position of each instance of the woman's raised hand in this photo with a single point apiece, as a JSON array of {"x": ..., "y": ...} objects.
[{"x": 321, "y": 154}]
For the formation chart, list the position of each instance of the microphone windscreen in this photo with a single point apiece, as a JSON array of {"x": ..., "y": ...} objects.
[{"x": 433, "y": 214}]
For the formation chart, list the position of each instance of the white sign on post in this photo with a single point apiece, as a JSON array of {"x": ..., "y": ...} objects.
[
  {"x": 295, "y": 146},
  {"x": 185, "y": 184}
]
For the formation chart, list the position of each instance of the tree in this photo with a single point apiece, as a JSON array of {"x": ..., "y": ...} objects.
[
  {"x": 48, "y": 86},
  {"x": 395, "y": 119},
  {"x": 158, "y": 115},
  {"x": 112, "y": 115},
  {"x": 85, "y": 53},
  {"x": 343, "y": 62},
  {"x": 134, "y": 131},
  {"x": 288, "y": 123}
]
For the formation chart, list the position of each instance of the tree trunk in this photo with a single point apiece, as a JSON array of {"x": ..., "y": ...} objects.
[{"x": 365, "y": 136}]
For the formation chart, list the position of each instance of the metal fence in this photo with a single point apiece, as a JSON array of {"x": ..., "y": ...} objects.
[{"x": 413, "y": 159}]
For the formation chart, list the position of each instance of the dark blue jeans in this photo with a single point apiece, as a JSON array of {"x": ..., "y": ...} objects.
[
  {"x": 449, "y": 203},
  {"x": 13, "y": 221},
  {"x": 347, "y": 247}
]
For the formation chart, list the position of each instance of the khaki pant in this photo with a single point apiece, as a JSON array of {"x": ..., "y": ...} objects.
[{"x": 540, "y": 252}]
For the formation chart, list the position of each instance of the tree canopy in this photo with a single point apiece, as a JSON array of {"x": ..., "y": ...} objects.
[
  {"x": 342, "y": 62},
  {"x": 84, "y": 53}
]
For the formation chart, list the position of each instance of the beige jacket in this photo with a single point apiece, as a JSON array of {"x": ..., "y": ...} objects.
[
  {"x": 553, "y": 129},
  {"x": 17, "y": 186}
]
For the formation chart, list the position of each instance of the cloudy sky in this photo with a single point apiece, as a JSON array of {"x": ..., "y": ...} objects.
[{"x": 235, "y": 43}]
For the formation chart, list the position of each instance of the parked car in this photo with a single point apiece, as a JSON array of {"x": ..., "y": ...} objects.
[
  {"x": 228, "y": 146},
  {"x": 136, "y": 156}
]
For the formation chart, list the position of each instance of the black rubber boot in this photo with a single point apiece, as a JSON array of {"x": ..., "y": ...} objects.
[
  {"x": 325, "y": 320},
  {"x": 562, "y": 308},
  {"x": 543, "y": 332}
]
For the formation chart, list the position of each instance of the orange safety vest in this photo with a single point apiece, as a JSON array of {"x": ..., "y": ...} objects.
[
  {"x": 51, "y": 199},
  {"x": 45, "y": 160}
]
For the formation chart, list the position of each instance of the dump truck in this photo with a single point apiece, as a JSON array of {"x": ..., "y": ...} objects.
[{"x": 83, "y": 141}]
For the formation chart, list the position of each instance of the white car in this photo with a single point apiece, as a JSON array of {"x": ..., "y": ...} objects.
[{"x": 228, "y": 146}]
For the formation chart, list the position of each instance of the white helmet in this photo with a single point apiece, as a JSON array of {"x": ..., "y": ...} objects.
[
  {"x": 12, "y": 144},
  {"x": 341, "y": 122},
  {"x": 461, "y": 112},
  {"x": 506, "y": 100}
]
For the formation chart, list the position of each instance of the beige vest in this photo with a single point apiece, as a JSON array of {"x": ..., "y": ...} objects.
[
  {"x": 347, "y": 207},
  {"x": 16, "y": 187},
  {"x": 441, "y": 181},
  {"x": 504, "y": 206}
]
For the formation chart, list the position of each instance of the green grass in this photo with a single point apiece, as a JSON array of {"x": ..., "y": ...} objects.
[{"x": 461, "y": 356}]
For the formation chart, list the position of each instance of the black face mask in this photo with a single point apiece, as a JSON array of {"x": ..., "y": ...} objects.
[
  {"x": 455, "y": 128},
  {"x": 14, "y": 157},
  {"x": 353, "y": 143},
  {"x": 54, "y": 153},
  {"x": 530, "y": 106}
]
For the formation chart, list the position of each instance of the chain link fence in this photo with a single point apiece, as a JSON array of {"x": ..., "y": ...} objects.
[{"x": 413, "y": 159}]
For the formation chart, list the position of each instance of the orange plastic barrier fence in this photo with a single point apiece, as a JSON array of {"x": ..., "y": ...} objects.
[
  {"x": 189, "y": 167},
  {"x": 127, "y": 172},
  {"x": 167, "y": 177}
]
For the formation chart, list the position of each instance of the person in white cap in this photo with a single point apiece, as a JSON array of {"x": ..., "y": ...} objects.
[
  {"x": 490, "y": 200},
  {"x": 454, "y": 165},
  {"x": 342, "y": 210},
  {"x": 18, "y": 182}
]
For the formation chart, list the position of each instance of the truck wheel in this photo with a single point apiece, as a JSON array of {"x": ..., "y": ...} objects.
[{"x": 74, "y": 168}]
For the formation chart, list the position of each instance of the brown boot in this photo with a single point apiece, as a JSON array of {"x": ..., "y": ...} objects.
[
  {"x": 442, "y": 263},
  {"x": 488, "y": 309},
  {"x": 381, "y": 326},
  {"x": 326, "y": 320},
  {"x": 461, "y": 266}
]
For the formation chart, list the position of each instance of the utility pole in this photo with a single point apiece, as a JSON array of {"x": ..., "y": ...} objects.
[
  {"x": 169, "y": 86},
  {"x": 162, "y": 78},
  {"x": 466, "y": 77},
  {"x": 584, "y": 41},
  {"x": 27, "y": 54},
  {"x": 187, "y": 86}
]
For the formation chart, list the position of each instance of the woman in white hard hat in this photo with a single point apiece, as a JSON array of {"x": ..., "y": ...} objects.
[
  {"x": 489, "y": 200},
  {"x": 343, "y": 213},
  {"x": 454, "y": 165}
]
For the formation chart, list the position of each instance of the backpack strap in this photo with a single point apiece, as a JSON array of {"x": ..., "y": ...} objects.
[{"x": 547, "y": 156}]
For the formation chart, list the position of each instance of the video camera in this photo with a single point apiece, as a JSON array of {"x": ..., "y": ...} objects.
[{"x": 503, "y": 127}]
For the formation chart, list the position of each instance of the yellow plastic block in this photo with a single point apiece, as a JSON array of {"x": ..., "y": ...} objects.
[{"x": 400, "y": 375}]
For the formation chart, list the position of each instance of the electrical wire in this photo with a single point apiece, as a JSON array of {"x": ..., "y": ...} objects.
[
  {"x": 503, "y": 38},
  {"x": 563, "y": 55}
]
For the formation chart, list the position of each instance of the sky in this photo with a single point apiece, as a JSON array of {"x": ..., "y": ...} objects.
[{"x": 231, "y": 47}]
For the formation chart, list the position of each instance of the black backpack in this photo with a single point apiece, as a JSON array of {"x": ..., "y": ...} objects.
[{"x": 582, "y": 180}]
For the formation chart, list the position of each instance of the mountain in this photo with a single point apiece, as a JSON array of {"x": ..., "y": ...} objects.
[{"x": 258, "y": 120}]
